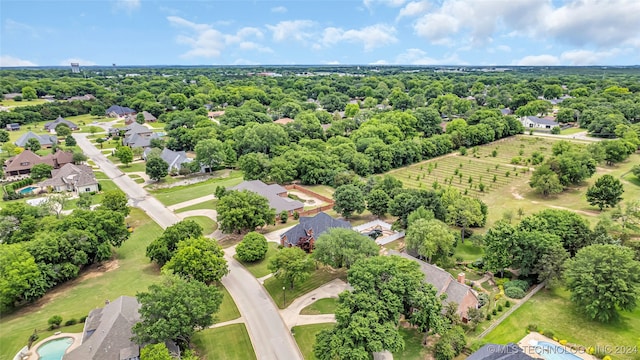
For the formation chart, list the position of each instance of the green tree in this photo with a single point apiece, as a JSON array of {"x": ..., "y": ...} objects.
[
  {"x": 606, "y": 192},
  {"x": 244, "y": 210},
  {"x": 79, "y": 157},
  {"x": 210, "y": 153},
  {"x": 451, "y": 344},
  {"x": 604, "y": 279},
  {"x": 351, "y": 110},
  {"x": 97, "y": 110},
  {"x": 20, "y": 276},
  {"x": 174, "y": 310},
  {"x": 4, "y": 136},
  {"x": 41, "y": 171},
  {"x": 498, "y": 244},
  {"x": 284, "y": 216},
  {"x": 29, "y": 93},
  {"x": 140, "y": 118},
  {"x": 54, "y": 321},
  {"x": 69, "y": 141},
  {"x": 291, "y": 265},
  {"x": 156, "y": 168},
  {"x": 253, "y": 247},
  {"x": 84, "y": 201},
  {"x": 162, "y": 248},
  {"x": 199, "y": 259},
  {"x": 636, "y": 171},
  {"x": 124, "y": 154},
  {"x": 62, "y": 130},
  {"x": 378, "y": 202},
  {"x": 155, "y": 352},
  {"x": 430, "y": 238},
  {"x": 465, "y": 212},
  {"x": 32, "y": 144},
  {"x": 116, "y": 200},
  {"x": 545, "y": 181},
  {"x": 343, "y": 247},
  {"x": 427, "y": 310},
  {"x": 348, "y": 200}
]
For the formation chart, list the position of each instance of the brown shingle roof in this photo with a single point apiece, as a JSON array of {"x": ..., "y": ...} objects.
[
  {"x": 23, "y": 161},
  {"x": 283, "y": 121}
]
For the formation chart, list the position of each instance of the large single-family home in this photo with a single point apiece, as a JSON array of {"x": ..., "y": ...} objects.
[
  {"x": 107, "y": 332},
  {"x": 283, "y": 121},
  {"x": 13, "y": 127},
  {"x": 119, "y": 111},
  {"x": 46, "y": 141},
  {"x": 455, "y": 289},
  {"x": 176, "y": 159},
  {"x": 510, "y": 351},
  {"x": 148, "y": 117},
  {"x": 309, "y": 229},
  {"x": 537, "y": 123},
  {"x": 77, "y": 178},
  {"x": 22, "y": 163},
  {"x": 276, "y": 194},
  {"x": 136, "y": 135},
  {"x": 51, "y": 126},
  {"x": 85, "y": 97}
]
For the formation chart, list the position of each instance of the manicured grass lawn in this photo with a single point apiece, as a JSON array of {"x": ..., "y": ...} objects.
[
  {"x": 100, "y": 175},
  {"x": 413, "y": 349},
  {"x": 157, "y": 125},
  {"x": 208, "y": 225},
  {"x": 305, "y": 336},
  {"x": 317, "y": 279},
  {"x": 178, "y": 194},
  {"x": 259, "y": 268},
  {"x": 468, "y": 251},
  {"x": 130, "y": 272},
  {"x": 135, "y": 167},
  {"x": 228, "y": 309},
  {"x": 13, "y": 103},
  {"x": 552, "y": 310},
  {"x": 324, "y": 190},
  {"x": 321, "y": 306},
  {"x": 205, "y": 205},
  {"x": 229, "y": 342},
  {"x": 573, "y": 130}
]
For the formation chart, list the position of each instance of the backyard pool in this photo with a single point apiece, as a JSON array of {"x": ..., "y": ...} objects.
[
  {"x": 27, "y": 190},
  {"x": 551, "y": 351},
  {"x": 54, "y": 349}
]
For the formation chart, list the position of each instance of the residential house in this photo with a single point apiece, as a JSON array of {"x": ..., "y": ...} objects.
[
  {"x": 118, "y": 111},
  {"x": 537, "y": 123},
  {"x": 455, "y": 289},
  {"x": 284, "y": 121},
  {"x": 12, "y": 95},
  {"x": 136, "y": 135},
  {"x": 148, "y": 117},
  {"x": 506, "y": 111},
  {"x": 46, "y": 141},
  {"x": 13, "y": 127},
  {"x": 215, "y": 114},
  {"x": 309, "y": 229},
  {"x": 51, "y": 126},
  {"x": 510, "y": 351},
  {"x": 176, "y": 159},
  {"x": 85, "y": 97},
  {"x": 77, "y": 178},
  {"x": 276, "y": 194},
  {"x": 107, "y": 332},
  {"x": 22, "y": 163},
  {"x": 130, "y": 119}
]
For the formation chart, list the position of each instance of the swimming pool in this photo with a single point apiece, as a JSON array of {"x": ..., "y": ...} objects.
[
  {"x": 27, "y": 190},
  {"x": 551, "y": 351},
  {"x": 54, "y": 349}
]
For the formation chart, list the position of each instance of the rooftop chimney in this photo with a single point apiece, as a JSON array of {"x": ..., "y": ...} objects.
[{"x": 461, "y": 278}]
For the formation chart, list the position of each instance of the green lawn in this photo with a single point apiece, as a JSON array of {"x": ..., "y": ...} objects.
[
  {"x": 305, "y": 336},
  {"x": 321, "y": 306},
  {"x": 573, "y": 130},
  {"x": 205, "y": 205},
  {"x": 135, "y": 167},
  {"x": 178, "y": 194},
  {"x": 129, "y": 273},
  {"x": 13, "y": 103},
  {"x": 259, "y": 268},
  {"x": 228, "y": 309},
  {"x": 552, "y": 310},
  {"x": 224, "y": 343},
  {"x": 467, "y": 251},
  {"x": 413, "y": 349},
  {"x": 208, "y": 225},
  {"x": 157, "y": 125},
  {"x": 395, "y": 245},
  {"x": 317, "y": 279}
]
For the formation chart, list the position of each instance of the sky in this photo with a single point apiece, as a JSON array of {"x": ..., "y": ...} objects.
[{"x": 302, "y": 32}]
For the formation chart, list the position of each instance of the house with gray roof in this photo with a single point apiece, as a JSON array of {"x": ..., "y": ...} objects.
[
  {"x": 46, "y": 141},
  {"x": 309, "y": 230},
  {"x": 107, "y": 332},
  {"x": 510, "y": 351},
  {"x": 537, "y": 123},
  {"x": 77, "y": 178},
  {"x": 13, "y": 127},
  {"x": 276, "y": 194},
  {"x": 136, "y": 135},
  {"x": 51, "y": 126},
  {"x": 176, "y": 159},
  {"x": 119, "y": 111},
  {"x": 455, "y": 289}
]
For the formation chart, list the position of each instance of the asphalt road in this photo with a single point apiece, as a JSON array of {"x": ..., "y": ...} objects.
[{"x": 269, "y": 335}]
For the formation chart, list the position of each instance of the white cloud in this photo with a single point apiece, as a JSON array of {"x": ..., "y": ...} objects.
[
  {"x": 127, "y": 5},
  {"x": 538, "y": 60},
  {"x": 379, "y": 62},
  {"x": 370, "y": 36},
  {"x": 205, "y": 41},
  {"x": 244, "y": 62},
  {"x": 588, "y": 57},
  {"x": 420, "y": 57},
  {"x": 82, "y": 62},
  {"x": 291, "y": 29},
  {"x": 391, "y": 3},
  {"x": 332, "y": 62},
  {"x": 414, "y": 8},
  {"x": 16, "y": 27},
  {"x": 437, "y": 27},
  {"x": 279, "y": 9},
  {"x": 10, "y": 61}
]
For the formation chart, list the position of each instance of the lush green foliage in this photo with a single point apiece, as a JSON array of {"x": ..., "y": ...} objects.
[
  {"x": 343, "y": 247},
  {"x": 162, "y": 249},
  {"x": 199, "y": 259},
  {"x": 244, "y": 210},
  {"x": 291, "y": 265},
  {"x": 606, "y": 192},
  {"x": 253, "y": 247}
]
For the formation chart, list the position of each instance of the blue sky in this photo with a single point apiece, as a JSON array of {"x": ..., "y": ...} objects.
[{"x": 241, "y": 32}]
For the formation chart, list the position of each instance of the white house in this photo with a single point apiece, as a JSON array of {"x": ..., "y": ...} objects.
[
  {"x": 537, "y": 123},
  {"x": 77, "y": 178}
]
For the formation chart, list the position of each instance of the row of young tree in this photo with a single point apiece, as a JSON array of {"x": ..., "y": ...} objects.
[{"x": 40, "y": 248}]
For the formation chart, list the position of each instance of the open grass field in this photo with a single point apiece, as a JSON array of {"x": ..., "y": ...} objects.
[
  {"x": 205, "y": 205},
  {"x": 305, "y": 336},
  {"x": 317, "y": 279},
  {"x": 178, "y": 194},
  {"x": 321, "y": 306},
  {"x": 12, "y": 103},
  {"x": 207, "y": 224},
  {"x": 229, "y": 342},
  {"x": 573, "y": 130},
  {"x": 260, "y": 268},
  {"x": 552, "y": 310}
]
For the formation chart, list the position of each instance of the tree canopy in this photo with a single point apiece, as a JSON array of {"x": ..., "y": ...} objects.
[{"x": 343, "y": 247}]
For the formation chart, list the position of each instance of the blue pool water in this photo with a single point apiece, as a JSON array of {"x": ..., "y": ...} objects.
[
  {"x": 551, "y": 351},
  {"x": 54, "y": 349},
  {"x": 27, "y": 190}
]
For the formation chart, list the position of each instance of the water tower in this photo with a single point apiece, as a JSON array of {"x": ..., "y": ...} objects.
[{"x": 75, "y": 68}]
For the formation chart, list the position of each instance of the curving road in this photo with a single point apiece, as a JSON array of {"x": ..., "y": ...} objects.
[{"x": 269, "y": 335}]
